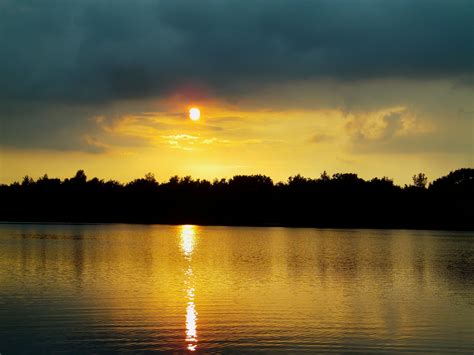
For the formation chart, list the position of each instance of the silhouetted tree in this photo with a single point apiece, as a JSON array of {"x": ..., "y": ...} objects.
[
  {"x": 420, "y": 180},
  {"x": 27, "y": 181},
  {"x": 325, "y": 176},
  {"x": 150, "y": 177},
  {"x": 80, "y": 177}
]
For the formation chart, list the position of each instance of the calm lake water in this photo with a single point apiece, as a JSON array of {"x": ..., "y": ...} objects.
[{"x": 102, "y": 288}]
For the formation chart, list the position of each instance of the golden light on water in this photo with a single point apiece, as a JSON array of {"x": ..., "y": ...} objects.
[
  {"x": 187, "y": 236},
  {"x": 203, "y": 287},
  {"x": 191, "y": 321}
]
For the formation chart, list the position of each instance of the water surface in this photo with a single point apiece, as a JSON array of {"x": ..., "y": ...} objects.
[{"x": 101, "y": 288}]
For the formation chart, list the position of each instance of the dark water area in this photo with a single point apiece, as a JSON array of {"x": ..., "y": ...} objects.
[{"x": 116, "y": 288}]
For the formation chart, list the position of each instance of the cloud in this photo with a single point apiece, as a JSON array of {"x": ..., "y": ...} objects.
[
  {"x": 97, "y": 51},
  {"x": 321, "y": 138},
  {"x": 375, "y": 126},
  {"x": 64, "y": 62},
  {"x": 95, "y": 144},
  {"x": 397, "y": 130},
  {"x": 58, "y": 127}
]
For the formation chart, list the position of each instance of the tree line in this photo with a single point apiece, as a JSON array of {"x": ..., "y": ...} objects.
[{"x": 340, "y": 200}]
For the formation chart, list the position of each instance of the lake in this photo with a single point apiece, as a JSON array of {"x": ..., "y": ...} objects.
[{"x": 108, "y": 288}]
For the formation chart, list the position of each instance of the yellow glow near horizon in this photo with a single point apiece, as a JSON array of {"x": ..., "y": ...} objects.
[
  {"x": 194, "y": 114},
  {"x": 239, "y": 140}
]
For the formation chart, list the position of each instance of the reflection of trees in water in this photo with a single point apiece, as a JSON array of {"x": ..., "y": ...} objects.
[
  {"x": 341, "y": 255},
  {"x": 257, "y": 257},
  {"x": 42, "y": 252},
  {"x": 413, "y": 256},
  {"x": 458, "y": 267},
  {"x": 78, "y": 257}
]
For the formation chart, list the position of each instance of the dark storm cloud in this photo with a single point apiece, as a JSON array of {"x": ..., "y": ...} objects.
[
  {"x": 56, "y": 55},
  {"x": 91, "y": 51},
  {"x": 60, "y": 127}
]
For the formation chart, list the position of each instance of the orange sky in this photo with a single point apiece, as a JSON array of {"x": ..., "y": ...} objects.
[
  {"x": 368, "y": 87},
  {"x": 253, "y": 136}
]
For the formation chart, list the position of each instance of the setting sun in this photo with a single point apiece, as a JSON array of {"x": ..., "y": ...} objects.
[{"x": 194, "y": 113}]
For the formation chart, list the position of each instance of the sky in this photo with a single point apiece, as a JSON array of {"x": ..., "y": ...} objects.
[{"x": 377, "y": 88}]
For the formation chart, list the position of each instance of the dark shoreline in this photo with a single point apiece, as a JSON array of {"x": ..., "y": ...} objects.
[
  {"x": 337, "y": 201},
  {"x": 65, "y": 223}
]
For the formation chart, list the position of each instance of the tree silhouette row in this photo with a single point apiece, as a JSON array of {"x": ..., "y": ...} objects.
[{"x": 340, "y": 200}]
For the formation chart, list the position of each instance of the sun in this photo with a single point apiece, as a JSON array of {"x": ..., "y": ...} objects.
[{"x": 194, "y": 113}]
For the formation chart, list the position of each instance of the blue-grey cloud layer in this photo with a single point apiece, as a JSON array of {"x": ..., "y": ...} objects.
[
  {"x": 93, "y": 50},
  {"x": 56, "y": 54}
]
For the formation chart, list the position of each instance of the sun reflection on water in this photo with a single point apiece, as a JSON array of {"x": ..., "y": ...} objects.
[
  {"x": 187, "y": 234},
  {"x": 191, "y": 320}
]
